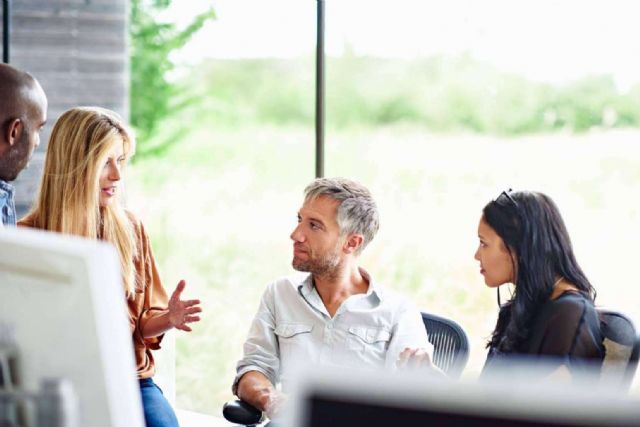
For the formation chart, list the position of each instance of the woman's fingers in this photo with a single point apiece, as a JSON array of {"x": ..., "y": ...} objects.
[
  {"x": 178, "y": 291},
  {"x": 191, "y": 302}
]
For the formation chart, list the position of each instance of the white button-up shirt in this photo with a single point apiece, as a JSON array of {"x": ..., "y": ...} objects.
[{"x": 292, "y": 324}]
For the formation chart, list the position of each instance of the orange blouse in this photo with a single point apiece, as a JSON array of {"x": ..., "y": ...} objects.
[{"x": 148, "y": 302}]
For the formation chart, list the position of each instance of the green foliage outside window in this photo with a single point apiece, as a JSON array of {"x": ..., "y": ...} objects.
[
  {"x": 442, "y": 94},
  {"x": 153, "y": 96}
]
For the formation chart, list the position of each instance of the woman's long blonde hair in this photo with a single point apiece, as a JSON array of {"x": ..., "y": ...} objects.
[{"x": 69, "y": 198}]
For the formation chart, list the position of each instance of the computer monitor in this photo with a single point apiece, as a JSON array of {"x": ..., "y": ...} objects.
[
  {"x": 337, "y": 398},
  {"x": 62, "y": 307}
]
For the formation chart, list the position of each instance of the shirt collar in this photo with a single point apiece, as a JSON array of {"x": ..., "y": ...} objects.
[{"x": 373, "y": 294}]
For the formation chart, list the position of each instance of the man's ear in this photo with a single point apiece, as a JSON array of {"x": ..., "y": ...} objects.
[
  {"x": 14, "y": 131},
  {"x": 353, "y": 242}
]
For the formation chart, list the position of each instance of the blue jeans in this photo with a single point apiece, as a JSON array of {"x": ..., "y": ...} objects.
[{"x": 157, "y": 411}]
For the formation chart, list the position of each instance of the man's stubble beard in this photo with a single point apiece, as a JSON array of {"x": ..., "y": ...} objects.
[
  {"x": 17, "y": 159},
  {"x": 326, "y": 266}
]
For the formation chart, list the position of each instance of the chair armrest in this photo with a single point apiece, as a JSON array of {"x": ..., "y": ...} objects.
[{"x": 239, "y": 412}]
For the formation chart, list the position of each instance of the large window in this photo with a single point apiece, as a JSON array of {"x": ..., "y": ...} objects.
[{"x": 437, "y": 107}]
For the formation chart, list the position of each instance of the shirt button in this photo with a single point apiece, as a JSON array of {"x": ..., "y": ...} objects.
[{"x": 330, "y": 326}]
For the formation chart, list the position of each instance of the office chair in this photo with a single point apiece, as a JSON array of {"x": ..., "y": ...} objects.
[
  {"x": 450, "y": 344},
  {"x": 450, "y": 353},
  {"x": 622, "y": 348},
  {"x": 240, "y": 412}
]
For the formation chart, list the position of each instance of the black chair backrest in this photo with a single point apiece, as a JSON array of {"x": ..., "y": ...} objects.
[
  {"x": 450, "y": 344},
  {"x": 622, "y": 345}
]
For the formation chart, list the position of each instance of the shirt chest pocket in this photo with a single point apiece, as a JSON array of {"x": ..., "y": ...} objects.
[
  {"x": 294, "y": 340},
  {"x": 368, "y": 339},
  {"x": 292, "y": 334}
]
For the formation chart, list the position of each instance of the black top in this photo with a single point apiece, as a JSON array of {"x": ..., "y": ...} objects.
[{"x": 565, "y": 330}]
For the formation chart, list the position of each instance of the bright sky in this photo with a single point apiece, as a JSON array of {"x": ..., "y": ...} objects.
[{"x": 552, "y": 40}]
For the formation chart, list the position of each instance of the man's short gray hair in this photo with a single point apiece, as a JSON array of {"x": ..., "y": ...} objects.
[{"x": 357, "y": 213}]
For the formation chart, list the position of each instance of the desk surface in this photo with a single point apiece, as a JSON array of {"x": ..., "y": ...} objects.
[{"x": 196, "y": 419}]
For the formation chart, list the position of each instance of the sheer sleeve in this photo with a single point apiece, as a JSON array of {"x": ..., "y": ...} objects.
[
  {"x": 571, "y": 329},
  {"x": 565, "y": 331}
]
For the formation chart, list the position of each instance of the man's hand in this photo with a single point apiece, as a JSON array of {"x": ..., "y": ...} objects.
[
  {"x": 255, "y": 389},
  {"x": 418, "y": 358},
  {"x": 277, "y": 400},
  {"x": 414, "y": 358}
]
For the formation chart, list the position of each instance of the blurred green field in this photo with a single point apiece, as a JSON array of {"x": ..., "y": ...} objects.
[{"x": 220, "y": 204}]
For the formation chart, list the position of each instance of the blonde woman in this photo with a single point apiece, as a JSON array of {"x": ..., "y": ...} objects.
[{"x": 87, "y": 151}]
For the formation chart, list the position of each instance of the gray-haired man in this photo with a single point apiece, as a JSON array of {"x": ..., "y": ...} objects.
[{"x": 335, "y": 315}]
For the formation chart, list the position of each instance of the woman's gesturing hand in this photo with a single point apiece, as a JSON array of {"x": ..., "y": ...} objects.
[{"x": 183, "y": 312}]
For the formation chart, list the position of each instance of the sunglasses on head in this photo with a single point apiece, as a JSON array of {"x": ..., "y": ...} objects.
[{"x": 505, "y": 194}]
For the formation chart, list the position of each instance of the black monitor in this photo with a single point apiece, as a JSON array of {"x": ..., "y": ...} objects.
[{"x": 331, "y": 397}]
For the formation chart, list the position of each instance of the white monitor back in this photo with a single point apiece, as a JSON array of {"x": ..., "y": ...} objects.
[{"x": 63, "y": 301}]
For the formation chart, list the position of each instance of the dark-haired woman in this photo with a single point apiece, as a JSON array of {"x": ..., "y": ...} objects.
[{"x": 523, "y": 241}]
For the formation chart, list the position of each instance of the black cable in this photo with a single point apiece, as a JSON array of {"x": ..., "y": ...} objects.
[{"x": 6, "y": 29}]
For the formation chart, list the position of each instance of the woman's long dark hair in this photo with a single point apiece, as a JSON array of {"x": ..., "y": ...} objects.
[{"x": 533, "y": 231}]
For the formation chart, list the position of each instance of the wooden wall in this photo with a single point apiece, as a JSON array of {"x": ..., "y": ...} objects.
[{"x": 78, "y": 51}]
